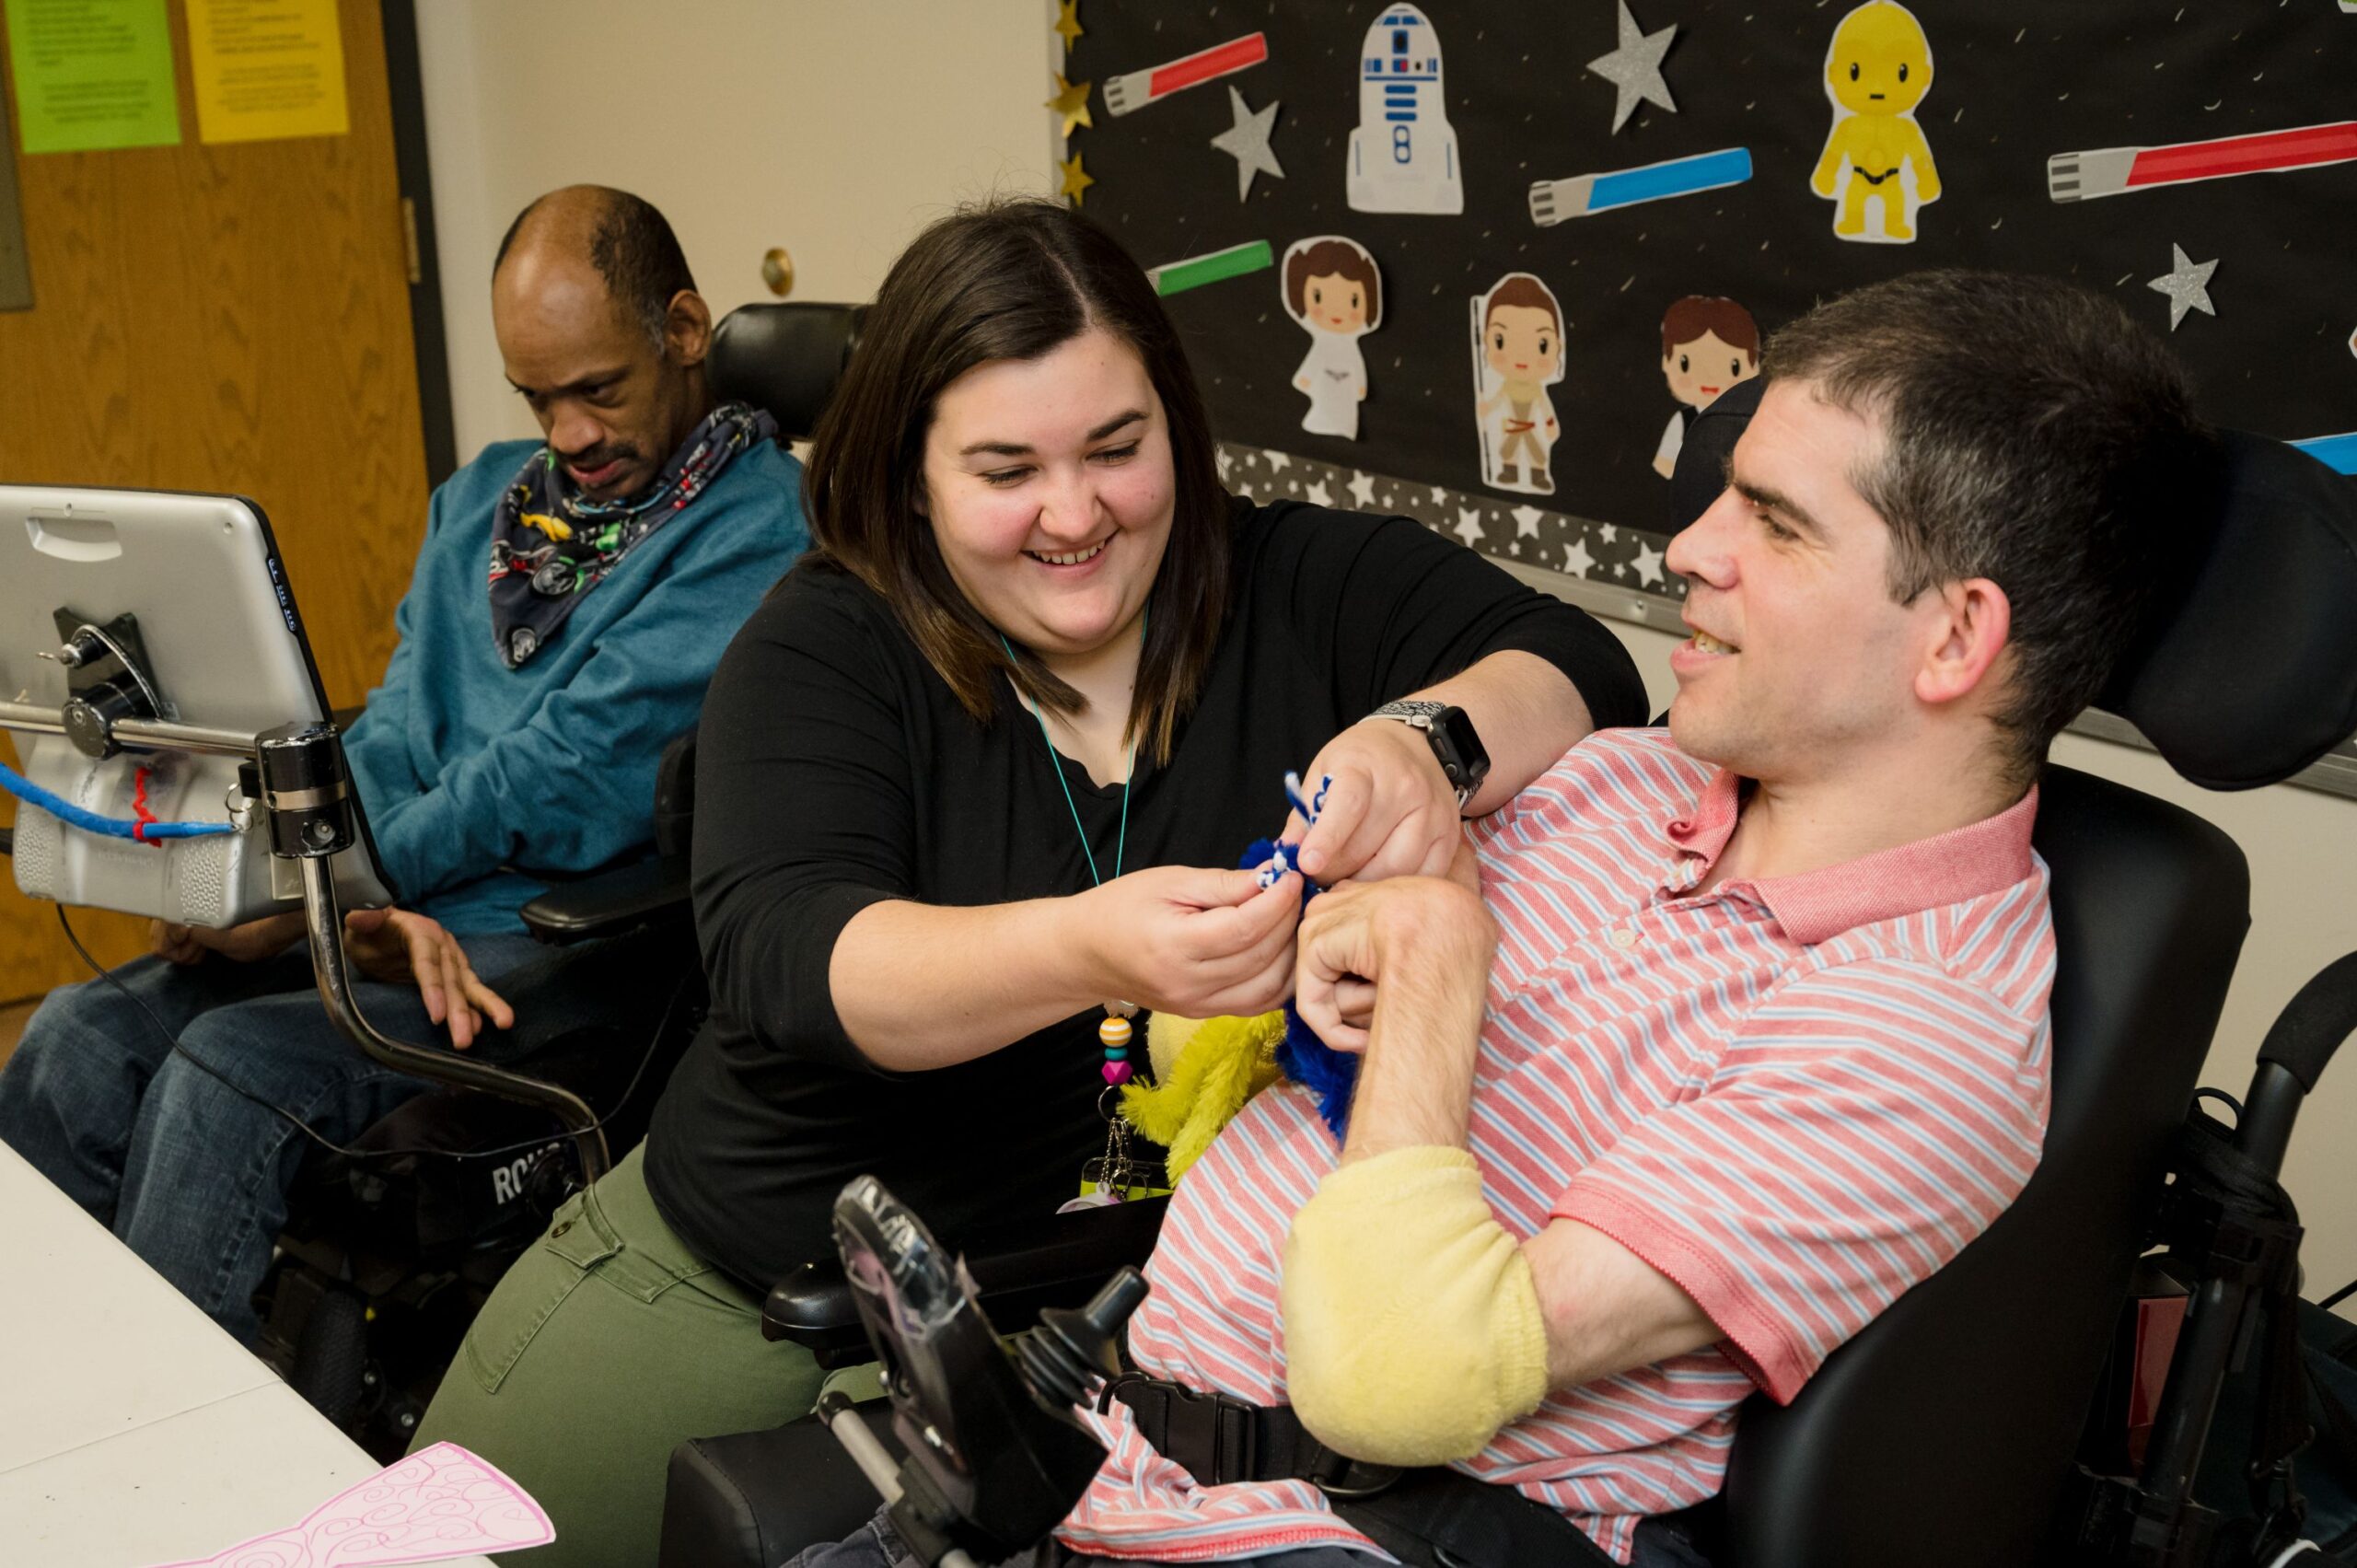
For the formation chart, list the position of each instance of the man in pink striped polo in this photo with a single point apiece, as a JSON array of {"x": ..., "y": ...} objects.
[{"x": 1719, "y": 1037}]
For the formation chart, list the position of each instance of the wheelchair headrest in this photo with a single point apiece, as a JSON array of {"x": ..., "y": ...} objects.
[
  {"x": 785, "y": 357},
  {"x": 2253, "y": 676}
]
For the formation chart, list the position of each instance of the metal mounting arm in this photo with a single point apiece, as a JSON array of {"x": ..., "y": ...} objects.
[{"x": 307, "y": 792}]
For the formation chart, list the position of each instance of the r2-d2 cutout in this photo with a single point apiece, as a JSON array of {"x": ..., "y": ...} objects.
[{"x": 1403, "y": 152}]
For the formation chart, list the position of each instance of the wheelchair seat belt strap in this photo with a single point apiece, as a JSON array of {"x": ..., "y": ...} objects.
[{"x": 1430, "y": 1517}]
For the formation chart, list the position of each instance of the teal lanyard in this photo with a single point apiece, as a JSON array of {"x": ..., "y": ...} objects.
[{"x": 1121, "y": 846}]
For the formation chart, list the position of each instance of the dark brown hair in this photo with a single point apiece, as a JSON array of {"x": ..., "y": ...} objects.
[
  {"x": 1329, "y": 258},
  {"x": 2033, "y": 435},
  {"x": 1712, "y": 313},
  {"x": 1520, "y": 289},
  {"x": 1010, "y": 280}
]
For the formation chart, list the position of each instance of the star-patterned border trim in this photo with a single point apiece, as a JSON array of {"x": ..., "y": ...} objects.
[{"x": 1610, "y": 555}]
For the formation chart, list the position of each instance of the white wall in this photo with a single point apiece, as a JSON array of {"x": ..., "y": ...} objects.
[{"x": 837, "y": 129}]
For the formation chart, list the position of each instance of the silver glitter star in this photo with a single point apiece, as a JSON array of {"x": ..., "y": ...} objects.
[
  {"x": 1634, "y": 68},
  {"x": 2187, "y": 286},
  {"x": 1246, "y": 141}
]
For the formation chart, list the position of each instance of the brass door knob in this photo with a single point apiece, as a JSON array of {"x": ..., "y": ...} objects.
[{"x": 777, "y": 270}]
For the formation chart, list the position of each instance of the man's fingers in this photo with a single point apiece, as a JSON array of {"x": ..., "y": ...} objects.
[
  {"x": 1354, "y": 1000},
  {"x": 1316, "y": 999},
  {"x": 464, "y": 1021},
  {"x": 495, "y": 1006},
  {"x": 481, "y": 997},
  {"x": 425, "y": 964}
]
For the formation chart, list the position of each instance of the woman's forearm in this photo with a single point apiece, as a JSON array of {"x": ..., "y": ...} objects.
[
  {"x": 920, "y": 986},
  {"x": 1528, "y": 713}
]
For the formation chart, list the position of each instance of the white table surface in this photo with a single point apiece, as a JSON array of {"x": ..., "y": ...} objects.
[{"x": 132, "y": 1430}]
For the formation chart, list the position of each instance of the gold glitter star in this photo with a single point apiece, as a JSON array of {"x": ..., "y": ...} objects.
[
  {"x": 1076, "y": 179},
  {"x": 1067, "y": 21},
  {"x": 1072, "y": 102}
]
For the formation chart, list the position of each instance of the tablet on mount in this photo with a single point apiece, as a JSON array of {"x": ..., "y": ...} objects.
[{"x": 127, "y": 606}]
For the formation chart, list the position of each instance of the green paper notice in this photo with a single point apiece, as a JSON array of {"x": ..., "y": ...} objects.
[{"x": 93, "y": 74}]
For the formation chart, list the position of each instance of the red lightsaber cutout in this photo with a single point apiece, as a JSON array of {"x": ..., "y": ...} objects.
[
  {"x": 1135, "y": 89},
  {"x": 2115, "y": 171}
]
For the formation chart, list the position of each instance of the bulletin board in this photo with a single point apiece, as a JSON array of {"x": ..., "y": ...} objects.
[{"x": 2197, "y": 163}]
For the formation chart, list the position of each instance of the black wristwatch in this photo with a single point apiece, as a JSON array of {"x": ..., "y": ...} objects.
[{"x": 1449, "y": 731}]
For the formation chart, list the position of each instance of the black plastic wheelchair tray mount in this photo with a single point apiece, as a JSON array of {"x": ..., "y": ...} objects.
[{"x": 995, "y": 1456}]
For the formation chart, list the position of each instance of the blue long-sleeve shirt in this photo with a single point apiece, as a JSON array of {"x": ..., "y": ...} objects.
[{"x": 465, "y": 766}]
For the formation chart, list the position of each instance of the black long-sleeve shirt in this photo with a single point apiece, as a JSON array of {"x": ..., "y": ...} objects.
[{"x": 836, "y": 770}]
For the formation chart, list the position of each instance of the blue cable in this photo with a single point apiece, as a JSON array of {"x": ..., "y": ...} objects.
[{"x": 64, "y": 810}]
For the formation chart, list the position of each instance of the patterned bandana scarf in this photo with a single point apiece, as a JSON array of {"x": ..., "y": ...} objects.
[{"x": 549, "y": 547}]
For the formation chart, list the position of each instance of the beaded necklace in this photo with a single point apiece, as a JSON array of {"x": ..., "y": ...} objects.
[{"x": 1114, "y": 1033}]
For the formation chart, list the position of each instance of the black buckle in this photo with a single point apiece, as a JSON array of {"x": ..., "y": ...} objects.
[
  {"x": 1354, "y": 1479},
  {"x": 1213, "y": 1435}
]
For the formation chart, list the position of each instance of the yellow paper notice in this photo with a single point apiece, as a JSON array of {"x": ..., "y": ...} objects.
[{"x": 266, "y": 69}]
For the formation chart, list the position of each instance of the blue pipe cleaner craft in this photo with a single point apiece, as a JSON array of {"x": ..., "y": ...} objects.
[{"x": 1304, "y": 1058}]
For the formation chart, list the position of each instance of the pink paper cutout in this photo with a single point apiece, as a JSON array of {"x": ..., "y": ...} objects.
[{"x": 439, "y": 1503}]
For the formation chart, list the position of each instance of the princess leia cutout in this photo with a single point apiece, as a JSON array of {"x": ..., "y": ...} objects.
[{"x": 1333, "y": 290}]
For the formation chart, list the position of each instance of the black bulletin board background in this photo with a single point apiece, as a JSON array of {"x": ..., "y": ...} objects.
[{"x": 2013, "y": 84}]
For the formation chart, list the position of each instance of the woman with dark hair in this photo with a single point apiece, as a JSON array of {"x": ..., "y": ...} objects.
[{"x": 969, "y": 783}]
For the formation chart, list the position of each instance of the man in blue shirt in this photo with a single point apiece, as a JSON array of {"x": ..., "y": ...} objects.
[{"x": 517, "y": 731}]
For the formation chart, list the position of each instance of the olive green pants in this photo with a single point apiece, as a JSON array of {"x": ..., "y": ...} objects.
[{"x": 608, "y": 1345}]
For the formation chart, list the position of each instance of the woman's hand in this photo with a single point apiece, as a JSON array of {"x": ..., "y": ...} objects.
[
  {"x": 1198, "y": 943},
  {"x": 246, "y": 944},
  {"x": 1391, "y": 811},
  {"x": 398, "y": 945}
]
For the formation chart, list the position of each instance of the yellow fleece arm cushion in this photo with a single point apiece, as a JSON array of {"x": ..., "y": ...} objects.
[{"x": 1412, "y": 1329}]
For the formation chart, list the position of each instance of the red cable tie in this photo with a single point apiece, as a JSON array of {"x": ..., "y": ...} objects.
[{"x": 139, "y": 806}]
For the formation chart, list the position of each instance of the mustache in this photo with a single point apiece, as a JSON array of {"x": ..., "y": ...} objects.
[{"x": 599, "y": 456}]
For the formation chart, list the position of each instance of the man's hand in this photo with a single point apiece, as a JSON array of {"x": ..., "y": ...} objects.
[
  {"x": 246, "y": 944},
  {"x": 398, "y": 945},
  {"x": 1391, "y": 811},
  {"x": 1419, "y": 946}
]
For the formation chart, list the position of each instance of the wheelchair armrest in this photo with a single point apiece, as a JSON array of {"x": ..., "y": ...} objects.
[
  {"x": 1055, "y": 1261},
  {"x": 648, "y": 892}
]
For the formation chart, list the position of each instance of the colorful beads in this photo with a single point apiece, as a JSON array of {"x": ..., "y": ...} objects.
[
  {"x": 1116, "y": 1073},
  {"x": 1115, "y": 1033}
]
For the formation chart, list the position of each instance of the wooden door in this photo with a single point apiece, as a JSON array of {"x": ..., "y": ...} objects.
[{"x": 228, "y": 317}]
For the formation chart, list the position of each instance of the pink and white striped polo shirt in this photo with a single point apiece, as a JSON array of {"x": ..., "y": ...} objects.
[{"x": 1796, "y": 1098}]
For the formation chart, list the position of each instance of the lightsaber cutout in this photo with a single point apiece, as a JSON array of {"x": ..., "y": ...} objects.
[
  {"x": 1178, "y": 277},
  {"x": 2337, "y": 453},
  {"x": 1135, "y": 89},
  {"x": 1552, "y": 201},
  {"x": 2115, "y": 171}
]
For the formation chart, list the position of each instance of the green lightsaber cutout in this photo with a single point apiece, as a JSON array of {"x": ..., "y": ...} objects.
[{"x": 1178, "y": 277}]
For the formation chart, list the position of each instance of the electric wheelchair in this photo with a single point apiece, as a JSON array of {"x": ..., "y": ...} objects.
[
  {"x": 386, "y": 1258},
  {"x": 1961, "y": 1426}
]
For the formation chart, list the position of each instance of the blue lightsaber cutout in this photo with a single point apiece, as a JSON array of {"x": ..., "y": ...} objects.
[
  {"x": 2337, "y": 453},
  {"x": 1552, "y": 201}
]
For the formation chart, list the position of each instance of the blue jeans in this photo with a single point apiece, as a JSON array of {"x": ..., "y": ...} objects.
[{"x": 192, "y": 1175}]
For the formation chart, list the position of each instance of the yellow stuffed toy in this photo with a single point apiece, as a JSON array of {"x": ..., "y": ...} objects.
[{"x": 1204, "y": 1070}]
